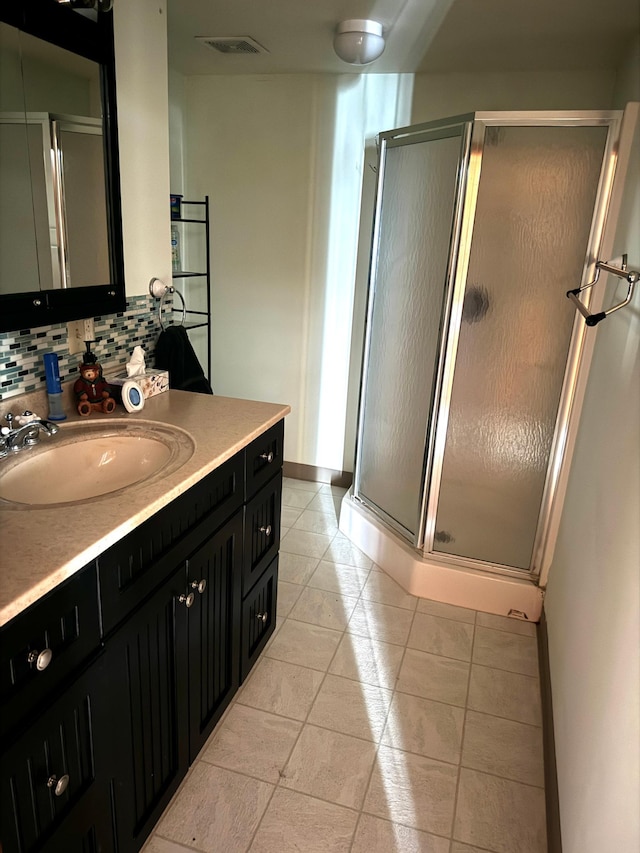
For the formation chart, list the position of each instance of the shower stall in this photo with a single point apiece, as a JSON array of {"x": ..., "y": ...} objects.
[{"x": 472, "y": 354}]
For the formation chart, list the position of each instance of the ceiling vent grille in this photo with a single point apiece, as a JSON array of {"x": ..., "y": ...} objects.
[{"x": 233, "y": 44}]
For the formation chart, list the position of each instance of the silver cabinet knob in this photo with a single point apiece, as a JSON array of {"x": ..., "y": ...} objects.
[
  {"x": 268, "y": 457},
  {"x": 200, "y": 585},
  {"x": 41, "y": 659},
  {"x": 262, "y": 617},
  {"x": 59, "y": 785},
  {"x": 266, "y": 530},
  {"x": 187, "y": 600}
]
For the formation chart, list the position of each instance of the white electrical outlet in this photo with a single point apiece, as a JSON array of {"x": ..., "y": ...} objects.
[
  {"x": 79, "y": 331},
  {"x": 88, "y": 330}
]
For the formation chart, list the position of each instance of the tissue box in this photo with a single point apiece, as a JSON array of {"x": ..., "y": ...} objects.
[{"x": 151, "y": 382}]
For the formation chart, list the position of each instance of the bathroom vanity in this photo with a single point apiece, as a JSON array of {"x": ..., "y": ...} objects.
[{"x": 128, "y": 623}]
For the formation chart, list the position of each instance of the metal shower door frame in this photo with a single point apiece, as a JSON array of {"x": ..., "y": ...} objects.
[
  {"x": 430, "y": 131},
  {"x": 568, "y": 411}
]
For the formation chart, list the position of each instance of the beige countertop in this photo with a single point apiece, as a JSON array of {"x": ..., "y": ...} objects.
[{"x": 41, "y": 547}]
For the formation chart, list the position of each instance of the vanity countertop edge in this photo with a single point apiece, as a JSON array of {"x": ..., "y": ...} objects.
[{"x": 42, "y": 547}]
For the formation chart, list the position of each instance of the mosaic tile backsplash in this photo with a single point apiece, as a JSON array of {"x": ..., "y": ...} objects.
[{"x": 21, "y": 365}]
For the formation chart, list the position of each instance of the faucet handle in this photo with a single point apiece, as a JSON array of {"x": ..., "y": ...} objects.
[
  {"x": 26, "y": 418},
  {"x": 9, "y": 419}
]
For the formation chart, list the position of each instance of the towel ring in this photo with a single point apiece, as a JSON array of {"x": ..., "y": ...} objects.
[{"x": 161, "y": 290}]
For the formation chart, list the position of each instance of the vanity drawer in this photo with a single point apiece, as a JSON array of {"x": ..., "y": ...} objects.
[
  {"x": 132, "y": 568},
  {"x": 45, "y": 644},
  {"x": 261, "y": 531},
  {"x": 263, "y": 458},
  {"x": 258, "y": 618}
]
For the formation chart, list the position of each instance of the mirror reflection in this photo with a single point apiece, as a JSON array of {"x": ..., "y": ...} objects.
[{"x": 53, "y": 211}]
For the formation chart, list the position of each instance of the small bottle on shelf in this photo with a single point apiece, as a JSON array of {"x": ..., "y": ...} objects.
[{"x": 175, "y": 250}]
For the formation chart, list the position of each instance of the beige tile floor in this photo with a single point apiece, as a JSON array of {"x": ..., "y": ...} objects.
[{"x": 374, "y": 721}]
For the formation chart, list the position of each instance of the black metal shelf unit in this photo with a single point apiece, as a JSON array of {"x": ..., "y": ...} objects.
[{"x": 192, "y": 316}]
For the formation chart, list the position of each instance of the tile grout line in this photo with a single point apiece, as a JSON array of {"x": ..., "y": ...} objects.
[
  {"x": 462, "y": 734},
  {"x": 344, "y": 633},
  {"x": 282, "y": 773},
  {"x": 386, "y": 720},
  {"x": 304, "y": 722}
]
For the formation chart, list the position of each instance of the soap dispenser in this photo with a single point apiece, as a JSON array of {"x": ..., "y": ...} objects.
[{"x": 92, "y": 392}]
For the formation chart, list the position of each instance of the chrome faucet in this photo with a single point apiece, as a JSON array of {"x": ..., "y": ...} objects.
[{"x": 13, "y": 440}]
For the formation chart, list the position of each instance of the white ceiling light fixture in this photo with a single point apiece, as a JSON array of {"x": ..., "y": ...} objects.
[{"x": 358, "y": 42}]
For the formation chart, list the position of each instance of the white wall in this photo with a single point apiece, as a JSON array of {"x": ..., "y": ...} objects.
[
  {"x": 141, "y": 82},
  {"x": 441, "y": 95},
  {"x": 593, "y": 597},
  {"x": 248, "y": 147},
  {"x": 282, "y": 158},
  {"x": 177, "y": 109}
]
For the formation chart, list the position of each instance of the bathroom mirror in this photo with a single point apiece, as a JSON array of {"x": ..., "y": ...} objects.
[{"x": 60, "y": 228}]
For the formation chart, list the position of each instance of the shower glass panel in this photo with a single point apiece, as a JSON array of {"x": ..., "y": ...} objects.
[
  {"x": 416, "y": 198},
  {"x": 535, "y": 204}
]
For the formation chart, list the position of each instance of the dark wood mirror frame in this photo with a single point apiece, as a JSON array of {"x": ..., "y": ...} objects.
[{"x": 60, "y": 25}]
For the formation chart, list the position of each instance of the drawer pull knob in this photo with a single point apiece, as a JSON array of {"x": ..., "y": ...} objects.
[
  {"x": 187, "y": 600},
  {"x": 59, "y": 785},
  {"x": 262, "y": 617},
  {"x": 41, "y": 659},
  {"x": 268, "y": 457},
  {"x": 200, "y": 585},
  {"x": 266, "y": 530}
]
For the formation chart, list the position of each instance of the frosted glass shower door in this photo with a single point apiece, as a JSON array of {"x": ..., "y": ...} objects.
[
  {"x": 412, "y": 237},
  {"x": 533, "y": 216}
]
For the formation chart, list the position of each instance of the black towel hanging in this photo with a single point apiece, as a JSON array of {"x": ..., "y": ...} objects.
[{"x": 175, "y": 354}]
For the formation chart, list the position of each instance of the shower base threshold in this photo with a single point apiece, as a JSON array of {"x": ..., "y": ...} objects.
[{"x": 420, "y": 576}]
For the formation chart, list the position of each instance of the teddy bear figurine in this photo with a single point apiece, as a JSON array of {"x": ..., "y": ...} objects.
[{"x": 92, "y": 392}]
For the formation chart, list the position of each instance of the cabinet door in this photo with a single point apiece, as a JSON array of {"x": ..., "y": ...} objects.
[
  {"x": 147, "y": 662},
  {"x": 214, "y": 574},
  {"x": 258, "y": 618},
  {"x": 261, "y": 531},
  {"x": 53, "y": 778}
]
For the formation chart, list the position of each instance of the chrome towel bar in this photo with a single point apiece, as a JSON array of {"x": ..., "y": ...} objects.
[{"x": 631, "y": 277}]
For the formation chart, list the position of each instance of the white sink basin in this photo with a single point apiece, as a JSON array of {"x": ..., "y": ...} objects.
[{"x": 88, "y": 461}]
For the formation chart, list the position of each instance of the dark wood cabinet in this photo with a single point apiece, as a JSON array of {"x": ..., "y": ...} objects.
[
  {"x": 54, "y": 777},
  {"x": 88, "y": 828},
  {"x": 177, "y": 656},
  {"x": 263, "y": 459},
  {"x": 262, "y": 522},
  {"x": 213, "y": 577},
  {"x": 148, "y": 674},
  {"x": 39, "y": 652},
  {"x": 150, "y": 643},
  {"x": 258, "y": 618},
  {"x": 261, "y": 531},
  {"x": 134, "y": 566}
]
